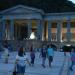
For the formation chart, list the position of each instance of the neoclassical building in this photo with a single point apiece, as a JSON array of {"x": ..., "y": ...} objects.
[{"x": 17, "y": 23}]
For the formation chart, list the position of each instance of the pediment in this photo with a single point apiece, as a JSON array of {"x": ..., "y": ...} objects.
[{"x": 20, "y": 9}]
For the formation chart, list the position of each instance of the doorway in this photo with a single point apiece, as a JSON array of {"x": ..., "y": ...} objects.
[{"x": 23, "y": 32}]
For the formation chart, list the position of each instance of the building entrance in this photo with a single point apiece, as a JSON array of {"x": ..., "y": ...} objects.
[
  {"x": 20, "y": 31},
  {"x": 23, "y": 32}
]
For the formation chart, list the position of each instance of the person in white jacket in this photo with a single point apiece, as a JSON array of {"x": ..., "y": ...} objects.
[
  {"x": 21, "y": 59},
  {"x": 6, "y": 53}
]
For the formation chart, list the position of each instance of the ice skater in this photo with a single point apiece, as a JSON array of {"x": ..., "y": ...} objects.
[
  {"x": 50, "y": 54},
  {"x": 43, "y": 55},
  {"x": 21, "y": 59},
  {"x": 32, "y": 55},
  {"x": 72, "y": 59}
]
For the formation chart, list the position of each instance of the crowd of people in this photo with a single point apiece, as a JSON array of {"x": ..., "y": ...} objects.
[
  {"x": 21, "y": 58},
  {"x": 46, "y": 51}
]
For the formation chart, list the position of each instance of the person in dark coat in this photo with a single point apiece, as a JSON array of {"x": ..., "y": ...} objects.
[
  {"x": 32, "y": 55},
  {"x": 43, "y": 55}
]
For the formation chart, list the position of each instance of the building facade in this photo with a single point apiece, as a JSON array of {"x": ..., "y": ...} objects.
[{"x": 17, "y": 23}]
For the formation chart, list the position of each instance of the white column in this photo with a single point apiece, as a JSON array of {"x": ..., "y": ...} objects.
[
  {"x": 3, "y": 29},
  {"x": 68, "y": 30},
  {"x": 59, "y": 26},
  {"x": 42, "y": 25},
  {"x": 39, "y": 30},
  {"x": 16, "y": 32},
  {"x": 49, "y": 30},
  {"x": 29, "y": 28},
  {"x": 19, "y": 32},
  {"x": 11, "y": 29},
  {"x": 0, "y": 29}
]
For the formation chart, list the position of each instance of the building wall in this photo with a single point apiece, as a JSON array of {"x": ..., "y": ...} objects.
[{"x": 56, "y": 28}]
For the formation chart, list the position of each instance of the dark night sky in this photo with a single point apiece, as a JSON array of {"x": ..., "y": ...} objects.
[{"x": 46, "y": 5}]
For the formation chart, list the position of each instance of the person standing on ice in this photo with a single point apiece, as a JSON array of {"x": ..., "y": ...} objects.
[
  {"x": 21, "y": 59},
  {"x": 43, "y": 55},
  {"x": 72, "y": 59},
  {"x": 32, "y": 55},
  {"x": 50, "y": 54},
  {"x": 6, "y": 53}
]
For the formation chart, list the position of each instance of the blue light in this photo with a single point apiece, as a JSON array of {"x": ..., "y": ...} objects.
[{"x": 72, "y": 1}]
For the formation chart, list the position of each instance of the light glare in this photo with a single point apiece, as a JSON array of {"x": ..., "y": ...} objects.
[
  {"x": 72, "y": 1},
  {"x": 32, "y": 36}
]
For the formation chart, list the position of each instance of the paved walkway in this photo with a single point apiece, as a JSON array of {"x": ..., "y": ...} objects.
[{"x": 59, "y": 65}]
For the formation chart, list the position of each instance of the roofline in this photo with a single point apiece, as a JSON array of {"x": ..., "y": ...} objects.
[
  {"x": 32, "y": 8},
  {"x": 64, "y": 13}
]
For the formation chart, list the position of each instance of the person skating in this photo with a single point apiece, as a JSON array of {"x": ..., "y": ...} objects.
[
  {"x": 32, "y": 56},
  {"x": 6, "y": 53},
  {"x": 72, "y": 59},
  {"x": 43, "y": 55},
  {"x": 21, "y": 59},
  {"x": 50, "y": 54}
]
